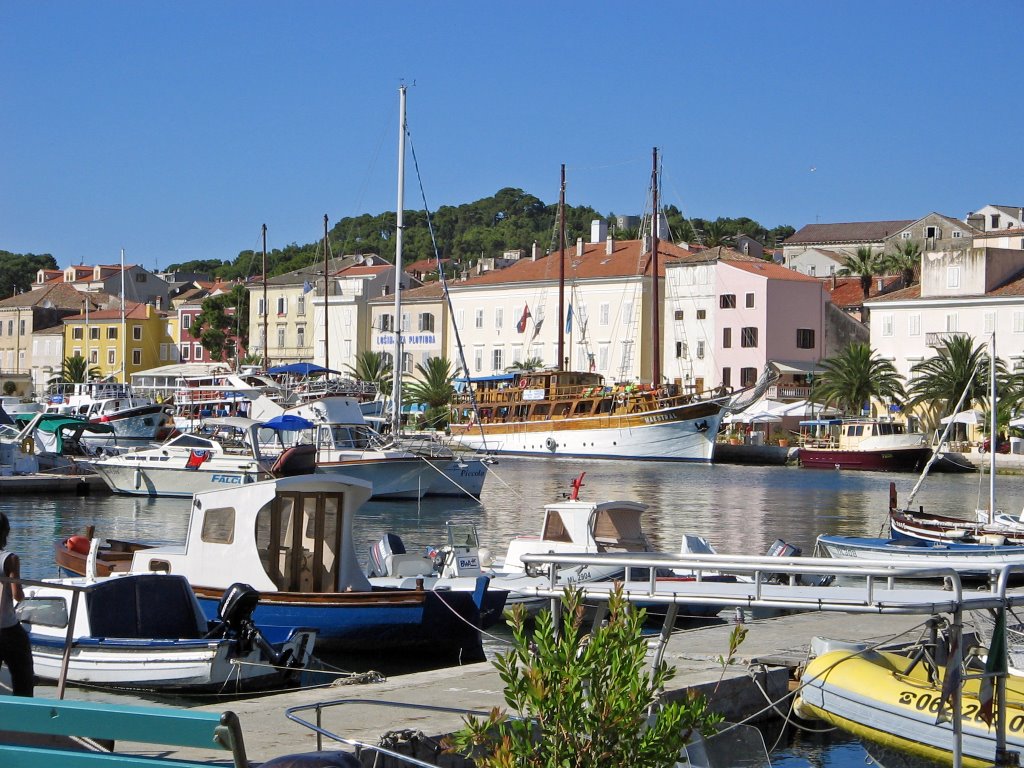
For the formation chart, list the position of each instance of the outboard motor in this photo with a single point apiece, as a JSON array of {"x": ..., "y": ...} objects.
[
  {"x": 381, "y": 553},
  {"x": 780, "y": 548},
  {"x": 234, "y": 614}
]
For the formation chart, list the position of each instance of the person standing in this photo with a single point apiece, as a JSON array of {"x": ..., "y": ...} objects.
[{"x": 15, "y": 650}]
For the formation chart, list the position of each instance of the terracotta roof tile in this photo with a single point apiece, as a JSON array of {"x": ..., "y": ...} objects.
[
  {"x": 770, "y": 270},
  {"x": 847, "y": 291}
]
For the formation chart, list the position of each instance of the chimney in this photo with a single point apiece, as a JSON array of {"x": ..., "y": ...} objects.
[
  {"x": 879, "y": 285},
  {"x": 533, "y": 251},
  {"x": 598, "y": 230},
  {"x": 834, "y": 281},
  {"x": 579, "y": 246},
  {"x": 609, "y": 245}
]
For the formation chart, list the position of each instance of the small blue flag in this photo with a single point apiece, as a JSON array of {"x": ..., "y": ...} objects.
[
  {"x": 568, "y": 320},
  {"x": 307, "y": 287}
]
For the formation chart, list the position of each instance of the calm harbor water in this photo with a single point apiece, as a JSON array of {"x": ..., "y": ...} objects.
[{"x": 741, "y": 510}]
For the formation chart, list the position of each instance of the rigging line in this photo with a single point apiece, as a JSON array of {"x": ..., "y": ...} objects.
[{"x": 444, "y": 288}]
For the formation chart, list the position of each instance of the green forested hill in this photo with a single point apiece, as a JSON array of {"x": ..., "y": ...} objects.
[
  {"x": 18, "y": 270},
  {"x": 508, "y": 220}
]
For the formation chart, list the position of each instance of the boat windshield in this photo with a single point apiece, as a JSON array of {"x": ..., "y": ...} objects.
[{"x": 298, "y": 536}]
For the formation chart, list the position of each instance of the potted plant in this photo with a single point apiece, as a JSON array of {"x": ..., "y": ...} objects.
[{"x": 781, "y": 437}]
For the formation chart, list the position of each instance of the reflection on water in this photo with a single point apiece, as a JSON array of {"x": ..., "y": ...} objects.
[{"x": 741, "y": 510}]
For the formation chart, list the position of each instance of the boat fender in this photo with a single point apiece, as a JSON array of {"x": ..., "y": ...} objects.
[
  {"x": 28, "y": 445},
  {"x": 550, "y": 444},
  {"x": 524, "y": 383},
  {"x": 79, "y": 544}
]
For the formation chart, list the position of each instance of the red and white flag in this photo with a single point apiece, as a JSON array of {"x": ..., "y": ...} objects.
[{"x": 521, "y": 325}]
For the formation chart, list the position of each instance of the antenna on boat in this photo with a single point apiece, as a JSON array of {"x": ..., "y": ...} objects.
[{"x": 576, "y": 485}]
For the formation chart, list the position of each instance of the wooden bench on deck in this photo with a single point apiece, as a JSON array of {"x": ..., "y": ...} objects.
[{"x": 32, "y": 731}]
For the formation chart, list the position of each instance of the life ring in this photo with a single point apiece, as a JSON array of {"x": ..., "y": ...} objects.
[
  {"x": 550, "y": 444},
  {"x": 620, "y": 399},
  {"x": 79, "y": 544},
  {"x": 524, "y": 383},
  {"x": 28, "y": 445}
]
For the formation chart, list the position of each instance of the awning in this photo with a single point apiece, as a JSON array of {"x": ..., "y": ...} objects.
[
  {"x": 300, "y": 369},
  {"x": 966, "y": 417},
  {"x": 798, "y": 367}
]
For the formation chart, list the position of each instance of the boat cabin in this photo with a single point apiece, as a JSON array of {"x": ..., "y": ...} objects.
[
  {"x": 850, "y": 434},
  {"x": 291, "y": 534},
  {"x": 582, "y": 527}
]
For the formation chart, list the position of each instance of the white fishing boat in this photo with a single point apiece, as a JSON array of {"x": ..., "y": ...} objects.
[
  {"x": 136, "y": 420},
  {"x": 571, "y": 526},
  {"x": 148, "y": 631},
  {"x": 190, "y": 464},
  {"x": 291, "y": 538}
]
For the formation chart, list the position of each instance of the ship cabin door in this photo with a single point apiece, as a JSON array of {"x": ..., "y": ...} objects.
[{"x": 298, "y": 536}]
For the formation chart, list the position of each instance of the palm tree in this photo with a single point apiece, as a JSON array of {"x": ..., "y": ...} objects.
[
  {"x": 372, "y": 367},
  {"x": 716, "y": 233},
  {"x": 939, "y": 381},
  {"x": 865, "y": 264},
  {"x": 855, "y": 377},
  {"x": 433, "y": 389},
  {"x": 76, "y": 370},
  {"x": 529, "y": 364},
  {"x": 905, "y": 260}
]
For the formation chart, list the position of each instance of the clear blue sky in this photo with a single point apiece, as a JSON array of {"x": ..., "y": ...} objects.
[{"x": 175, "y": 129}]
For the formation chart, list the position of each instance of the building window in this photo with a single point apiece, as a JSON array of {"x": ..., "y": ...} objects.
[
  {"x": 163, "y": 351},
  {"x": 186, "y": 321},
  {"x": 197, "y": 351},
  {"x": 956, "y": 234},
  {"x": 953, "y": 277},
  {"x": 995, "y": 220},
  {"x": 21, "y": 327},
  {"x": 727, "y": 301},
  {"x": 700, "y": 350},
  {"x": 282, "y": 305},
  {"x": 905, "y": 235},
  {"x": 112, "y": 332},
  {"x": 76, "y": 333},
  {"x": 805, "y": 338},
  {"x": 460, "y": 319},
  {"x": 812, "y": 270},
  {"x": 136, "y": 357},
  {"x": 750, "y": 301},
  {"x": 387, "y": 322},
  {"x": 140, "y": 277},
  {"x": 989, "y": 320},
  {"x": 478, "y": 359},
  {"x": 478, "y": 319},
  {"x": 300, "y": 305},
  {"x": 932, "y": 232},
  {"x": 407, "y": 363},
  {"x": 261, "y": 311},
  {"x": 94, "y": 333},
  {"x": 748, "y": 377},
  {"x": 727, "y": 377},
  {"x": 748, "y": 337},
  {"x": 681, "y": 351},
  {"x": 185, "y": 348},
  {"x": 603, "y": 314},
  {"x": 405, "y": 322},
  {"x": 726, "y": 338},
  {"x": 702, "y": 314},
  {"x": 497, "y": 359},
  {"x": 1018, "y": 322},
  {"x": 627, "y": 313},
  {"x": 300, "y": 335},
  {"x": 678, "y": 314},
  {"x": 914, "y": 325},
  {"x": 426, "y": 322},
  {"x": 110, "y": 357},
  {"x": 94, "y": 356},
  {"x": 136, "y": 333},
  {"x": 280, "y": 337},
  {"x": 499, "y": 318},
  {"x": 951, "y": 322},
  {"x": 887, "y": 325}
]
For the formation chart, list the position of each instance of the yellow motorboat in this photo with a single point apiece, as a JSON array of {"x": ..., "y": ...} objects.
[{"x": 873, "y": 696}]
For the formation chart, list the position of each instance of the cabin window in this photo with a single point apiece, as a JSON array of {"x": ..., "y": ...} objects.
[
  {"x": 219, "y": 526},
  {"x": 541, "y": 410},
  {"x": 555, "y": 529},
  {"x": 584, "y": 407},
  {"x": 44, "y": 611},
  {"x": 298, "y": 537}
]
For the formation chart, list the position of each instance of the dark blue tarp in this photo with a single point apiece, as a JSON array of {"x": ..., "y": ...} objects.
[
  {"x": 288, "y": 423},
  {"x": 496, "y": 377},
  {"x": 301, "y": 369}
]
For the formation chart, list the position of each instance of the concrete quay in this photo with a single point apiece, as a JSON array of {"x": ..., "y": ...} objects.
[
  {"x": 50, "y": 483},
  {"x": 772, "y": 647}
]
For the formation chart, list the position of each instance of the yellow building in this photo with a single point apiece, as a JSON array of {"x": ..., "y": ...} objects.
[{"x": 142, "y": 339}]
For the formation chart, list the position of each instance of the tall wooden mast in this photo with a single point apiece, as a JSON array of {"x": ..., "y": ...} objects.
[
  {"x": 266, "y": 307},
  {"x": 396, "y": 368},
  {"x": 327, "y": 323},
  {"x": 561, "y": 273},
  {"x": 655, "y": 288}
]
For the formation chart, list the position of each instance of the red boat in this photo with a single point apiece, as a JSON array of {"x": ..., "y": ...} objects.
[{"x": 861, "y": 443}]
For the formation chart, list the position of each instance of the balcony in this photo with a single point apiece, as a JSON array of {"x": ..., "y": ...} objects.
[
  {"x": 788, "y": 392},
  {"x": 938, "y": 340}
]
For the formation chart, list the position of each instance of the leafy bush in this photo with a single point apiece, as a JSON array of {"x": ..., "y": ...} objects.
[{"x": 582, "y": 700}]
